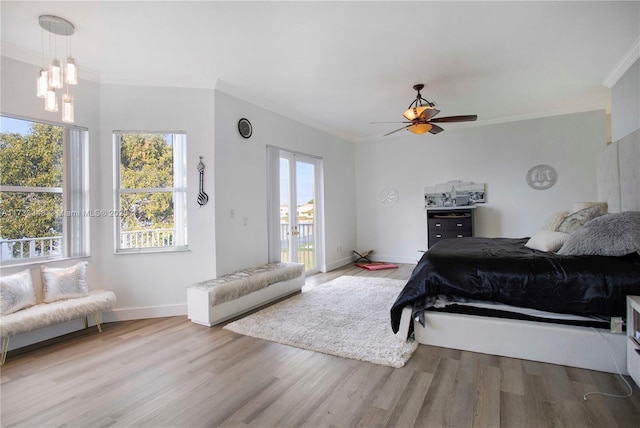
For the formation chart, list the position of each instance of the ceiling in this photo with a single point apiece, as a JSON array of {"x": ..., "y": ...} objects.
[{"x": 340, "y": 65}]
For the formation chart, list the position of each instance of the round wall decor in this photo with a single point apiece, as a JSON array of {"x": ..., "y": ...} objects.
[
  {"x": 388, "y": 196},
  {"x": 541, "y": 177},
  {"x": 244, "y": 128}
]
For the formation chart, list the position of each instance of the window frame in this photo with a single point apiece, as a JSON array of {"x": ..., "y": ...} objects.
[
  {"x": 74, "y": 191},
  {"x": 180, "y": 214}
]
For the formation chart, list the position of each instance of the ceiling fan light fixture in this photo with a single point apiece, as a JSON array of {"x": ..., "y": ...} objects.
[
  {"x": 420, "y": 128},
  {"x": 415, "y": 112}
]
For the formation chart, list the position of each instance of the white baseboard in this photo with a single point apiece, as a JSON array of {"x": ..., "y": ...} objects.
[
  {"x": 126, "y": 314},
  {"x": 337, "y": 264}
]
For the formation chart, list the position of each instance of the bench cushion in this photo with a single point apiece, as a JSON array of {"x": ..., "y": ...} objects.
[
  {"x": 45, "y": 314},
  {"x": 232, "y": 286}
]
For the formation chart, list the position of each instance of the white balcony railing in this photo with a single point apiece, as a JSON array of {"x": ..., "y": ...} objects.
[
  {"x": 152, "y": 238},
  {"x": 30, "y": 248},
  {"x": 51, "y": 246}
]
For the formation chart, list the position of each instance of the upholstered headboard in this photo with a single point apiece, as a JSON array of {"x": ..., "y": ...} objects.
[{"x": 618, "y": 172}]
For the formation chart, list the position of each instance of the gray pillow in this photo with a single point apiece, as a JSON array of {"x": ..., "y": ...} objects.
[
  {"x": 575, "y": 220},
  {"x": 607, "y": 235}
]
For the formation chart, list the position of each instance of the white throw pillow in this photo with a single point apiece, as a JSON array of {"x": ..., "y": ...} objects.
[
  {"x": 64, "y": 283},
  {"x": 547, "y": 240},
  {"x": 554, "y": 221},
  {"x": 16, "y": 292}
]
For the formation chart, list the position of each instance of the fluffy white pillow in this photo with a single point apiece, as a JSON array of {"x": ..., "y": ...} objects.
[
  {"x": 16, "y": 292},
  {"x": 64, "y": 283},
  {"x": 547, "y": 240}
]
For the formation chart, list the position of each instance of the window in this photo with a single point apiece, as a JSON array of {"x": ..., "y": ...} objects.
[
  {"x": 151, "y": 191},
  {"x": 43, "y": 188}
]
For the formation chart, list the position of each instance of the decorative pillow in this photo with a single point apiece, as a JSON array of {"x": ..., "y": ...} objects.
[
  {"x": 547, "y": 240},
  {"x": 16, "y": 292},
  {"x": 577, "y": 219},
  {"x": 608, "y": 235},
  {"x": 64, "y": 283},
  {"x": 555, "y": 220}
]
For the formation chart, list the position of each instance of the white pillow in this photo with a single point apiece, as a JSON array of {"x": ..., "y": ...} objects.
[
  {"x": 547, "y": 240},
  {"x": 16, "y": 292},
  {"x": 554, "y": 221},
  {"x": 64, "y": 283}
]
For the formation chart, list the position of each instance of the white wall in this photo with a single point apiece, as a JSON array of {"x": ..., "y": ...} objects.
[
  {"x": 240, "y": 180},
  {"x": 498, "y": 155},
  {"x": 625, "y": 103},
  {"x": 147, "y": 284}
]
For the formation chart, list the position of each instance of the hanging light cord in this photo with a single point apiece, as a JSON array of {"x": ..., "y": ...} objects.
[{"x": 606, "y": 394}]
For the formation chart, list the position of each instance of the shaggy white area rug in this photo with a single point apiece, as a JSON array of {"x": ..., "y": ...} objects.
[{"x": 347, "y": 317}]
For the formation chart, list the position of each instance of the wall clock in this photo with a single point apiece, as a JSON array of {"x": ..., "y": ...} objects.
[
  {"x": 541, "y": 177},
  {"x": 244, "y": 128}
]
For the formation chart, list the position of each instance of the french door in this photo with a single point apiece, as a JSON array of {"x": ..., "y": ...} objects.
[{"x": 298, "y": 203}]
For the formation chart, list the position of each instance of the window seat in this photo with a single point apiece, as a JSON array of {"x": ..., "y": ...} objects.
[
  {"x": 46, "y": 314},
  {"x": 216, "y": 300}
]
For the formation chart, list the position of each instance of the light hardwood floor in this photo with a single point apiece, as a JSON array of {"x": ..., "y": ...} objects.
[{"x": 168, "y": 372}]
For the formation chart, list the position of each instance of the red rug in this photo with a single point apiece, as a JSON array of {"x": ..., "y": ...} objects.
[{"x": 376, "y": 265}]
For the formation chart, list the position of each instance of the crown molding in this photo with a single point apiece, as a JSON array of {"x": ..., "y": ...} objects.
[
  {"x": 35, "y": 58},
  {"x": 623, "y": 65}
]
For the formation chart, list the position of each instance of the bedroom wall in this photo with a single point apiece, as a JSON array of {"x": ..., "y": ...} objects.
[
  {"x": 154, "y": 284},
  {"x": 240, "y": 183},
  {"x": 625, "y": 103},
  {"x": 498, "y": 155}
]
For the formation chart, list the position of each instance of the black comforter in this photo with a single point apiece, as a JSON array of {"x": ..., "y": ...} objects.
[{"x": 504, "y": 270}]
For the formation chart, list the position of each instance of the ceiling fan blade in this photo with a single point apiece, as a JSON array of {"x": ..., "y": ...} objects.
[
  {"x": 400, "y": 129},
  {"x": 375, "y": 123},
  {"x": 448, "y": 119},
  {"x": 435, "y": 129}
]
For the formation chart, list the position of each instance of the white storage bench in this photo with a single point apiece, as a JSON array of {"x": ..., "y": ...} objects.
[
  {"x": 46, "y": 314},
  {"x": 213, "y": 301}
]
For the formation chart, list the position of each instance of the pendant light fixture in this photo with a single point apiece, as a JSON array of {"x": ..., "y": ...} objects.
[{"x": 57, "y": 75}]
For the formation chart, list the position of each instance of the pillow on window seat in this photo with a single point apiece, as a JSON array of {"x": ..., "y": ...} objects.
[
  {"x": 16, "y": 292},
  {"x": 64, "y": 283}
]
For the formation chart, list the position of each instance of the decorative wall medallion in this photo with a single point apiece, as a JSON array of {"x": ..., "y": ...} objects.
[
  {"x": 388, "y": 196},
  {"x": 244, "y": 128},
  {"x": 541, "y": 177}
]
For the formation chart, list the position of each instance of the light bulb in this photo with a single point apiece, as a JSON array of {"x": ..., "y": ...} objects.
[
  {"x": 67, "y": 108},
  {"x": 51, "y": 100},
  {"x": 42, "y": 83},
  {"x": 420, "y": 128},
  {"x": 55, "y": 75},
  {"x": 71, "y": 72}
]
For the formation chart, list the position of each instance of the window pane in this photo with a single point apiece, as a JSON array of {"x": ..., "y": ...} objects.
[
  {"x": 146, "y": 161},
  {"x": 31, "y": 154},
  {"x": 36, "y": 220},
  {"x": 31, "y": 225},
  {"x": 147, "y": 220}
]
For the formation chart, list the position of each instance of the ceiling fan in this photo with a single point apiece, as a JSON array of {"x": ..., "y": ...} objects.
[{"x": 421, "y": 116}]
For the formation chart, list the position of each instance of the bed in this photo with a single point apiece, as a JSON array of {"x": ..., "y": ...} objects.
[
  {"x": 457, "y": 274},
  {"x": 497, "y": 296}
]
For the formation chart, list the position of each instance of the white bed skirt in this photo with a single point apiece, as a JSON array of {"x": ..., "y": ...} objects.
[{"x": 566, "y": 345}]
